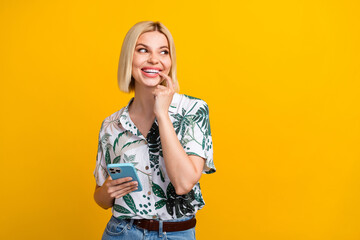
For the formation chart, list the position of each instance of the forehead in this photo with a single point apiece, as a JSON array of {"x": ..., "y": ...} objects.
[{"x": 153, "y": 39}]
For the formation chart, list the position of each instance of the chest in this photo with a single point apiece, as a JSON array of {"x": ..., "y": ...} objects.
[{"x": 143, "y": 124}]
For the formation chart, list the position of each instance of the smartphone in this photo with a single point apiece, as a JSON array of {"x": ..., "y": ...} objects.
[{"x": 122, "y": 170}]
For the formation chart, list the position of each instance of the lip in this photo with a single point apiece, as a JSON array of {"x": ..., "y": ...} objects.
[
  {"x": 150, "y": 75},
  {"x": 154, "y": 68}
]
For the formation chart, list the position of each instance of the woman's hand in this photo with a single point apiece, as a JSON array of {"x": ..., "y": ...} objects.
[
  {"x": 119, "y": 187},
  {"x": 104, "y": 196},
  {"x": 163, "y": 96}
]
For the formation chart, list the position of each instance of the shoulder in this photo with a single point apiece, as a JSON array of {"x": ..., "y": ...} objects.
[
  {"x": 113, "y": 119},
  {"x": 190, "y": 103}
]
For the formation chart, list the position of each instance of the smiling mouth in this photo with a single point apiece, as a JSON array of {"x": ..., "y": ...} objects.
[{"x": 151, "y": 71}]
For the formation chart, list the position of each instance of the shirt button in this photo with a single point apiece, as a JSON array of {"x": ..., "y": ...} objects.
[
  {"x": 147, "y": 167},
  {"x": 149, "y": 193}
]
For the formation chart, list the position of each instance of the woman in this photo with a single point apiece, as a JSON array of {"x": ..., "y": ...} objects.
[{"x": 165, "y": 135}]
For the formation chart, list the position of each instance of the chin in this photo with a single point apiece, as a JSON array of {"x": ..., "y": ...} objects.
[{"x": 150, "y": 82}]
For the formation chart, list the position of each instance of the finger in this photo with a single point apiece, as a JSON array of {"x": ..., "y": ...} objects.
[
  {"x": 163, "y": 79},
  {"x": 125, "y": 191},
  {"x": 160, "y": 87},
  {"x": 168, "y": 80},
  {"x": 118, "y": 188},
  {"x": 158, "y": 90},
  {"x": 124, "y": 185},
  {"x": 121, "y": 180}
]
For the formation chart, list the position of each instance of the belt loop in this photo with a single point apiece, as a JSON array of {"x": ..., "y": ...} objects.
[
  {"x": 130, "y": 224},
  {"x": 160, "y": 228}
]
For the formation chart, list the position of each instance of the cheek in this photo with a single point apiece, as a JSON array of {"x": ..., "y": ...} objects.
[
  {"x": 168, "y": 63},
  {"x": 135, "y": 63}
]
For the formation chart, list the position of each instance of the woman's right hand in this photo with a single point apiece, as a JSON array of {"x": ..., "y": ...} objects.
[
  {"x": 119, "y": 187},
  {"x": 104, "y": 196}
]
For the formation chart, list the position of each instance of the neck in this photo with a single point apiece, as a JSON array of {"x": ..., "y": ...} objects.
[{"x": 143, "y": 102}]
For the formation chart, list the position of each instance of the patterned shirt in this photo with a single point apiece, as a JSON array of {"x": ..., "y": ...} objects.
[{"x": 121, "y": 142}]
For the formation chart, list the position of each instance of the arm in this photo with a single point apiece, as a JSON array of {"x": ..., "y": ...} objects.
[
  {"x": 184, "y": 171},
  {"x": 105, "y": 195}
]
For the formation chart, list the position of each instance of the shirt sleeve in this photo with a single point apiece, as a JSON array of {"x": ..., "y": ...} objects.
[
  {"x": 197, "y": 138},
  {"x": 100, "y": 172}
]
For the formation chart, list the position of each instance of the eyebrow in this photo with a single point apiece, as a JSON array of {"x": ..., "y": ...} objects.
[{"x": 148, "y": 46}]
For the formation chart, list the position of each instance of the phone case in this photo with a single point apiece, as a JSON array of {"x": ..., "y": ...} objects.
[{"x": 121, "y": 170}]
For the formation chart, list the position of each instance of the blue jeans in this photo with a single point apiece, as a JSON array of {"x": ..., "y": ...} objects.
[{"x": 124, "y": 229}]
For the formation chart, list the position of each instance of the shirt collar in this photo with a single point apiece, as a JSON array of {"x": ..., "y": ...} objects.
[{"x": 128, "y": 125}]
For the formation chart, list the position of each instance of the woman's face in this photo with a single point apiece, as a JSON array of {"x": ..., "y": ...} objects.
[{"x": 151, "y": 55}]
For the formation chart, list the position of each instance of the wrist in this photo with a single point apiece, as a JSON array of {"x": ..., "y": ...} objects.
[{"x": 162, "y": 117}]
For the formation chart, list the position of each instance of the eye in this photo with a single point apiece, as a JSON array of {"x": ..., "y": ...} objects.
[
  {"x": 142, "y": 50},
  {"x": 165, "y": 52}
]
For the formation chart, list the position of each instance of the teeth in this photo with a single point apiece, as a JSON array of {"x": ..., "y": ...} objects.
[{"x": 151, "y": 71}]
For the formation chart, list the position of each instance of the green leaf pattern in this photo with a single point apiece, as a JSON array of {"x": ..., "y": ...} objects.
[
  {"x": 130, "y": 202},
  {"x": 158, "y": 191},
  {"x": 121, "y": 209},
  {"x": 120, "y": 141}
]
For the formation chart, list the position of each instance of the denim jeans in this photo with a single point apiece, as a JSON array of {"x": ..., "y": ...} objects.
[{"x": 124, "y": 229}]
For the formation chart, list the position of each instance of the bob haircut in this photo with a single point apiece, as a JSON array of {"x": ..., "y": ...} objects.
[{"x": 125, "y": 80}]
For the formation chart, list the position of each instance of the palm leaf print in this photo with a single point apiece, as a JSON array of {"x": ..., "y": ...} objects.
[
  {"x": 129, "y": 143},
  {"x": 105, "y": 138},
  {"x": 198, "y": 197},
  {"x": 184, "y": 141},
  {"x": 180, "y": 203},
  {"x": 121, "y": 209},
  {"x": 190, "y": 97},
  {"x": 158, "y": 190},
  {"x": 153, "y": 139},
  {"x": 130, "y": 159},
  {"x": 116, "y": 142},
  {"x": 107, "y": 156},
  {"x": 161, "y": 174},
  {"x": 112, "y": 122},
  {"x": 117, "y": 159},
  {"x": 130, "y": 202},
  {"x": 202, "y": 117},
  {"x": 180, "y": 123},
  {"x": 159, "y": 204}
]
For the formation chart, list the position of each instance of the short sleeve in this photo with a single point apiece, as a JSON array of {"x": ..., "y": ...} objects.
[
  {"x": 100, "y": 172},
  {"x": 197, "y": 138}
]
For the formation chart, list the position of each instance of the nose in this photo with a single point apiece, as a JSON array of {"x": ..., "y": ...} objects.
[{"x": 153, "y": 59}]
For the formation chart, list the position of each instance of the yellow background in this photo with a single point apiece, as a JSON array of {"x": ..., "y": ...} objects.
[{"x": 282, "y": 82}]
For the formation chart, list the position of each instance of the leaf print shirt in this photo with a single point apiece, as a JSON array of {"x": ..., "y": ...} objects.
[{"x": 121, "y": 142}]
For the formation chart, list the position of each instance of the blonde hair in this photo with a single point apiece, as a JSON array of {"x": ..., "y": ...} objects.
[{"x": 125, "y": 80}]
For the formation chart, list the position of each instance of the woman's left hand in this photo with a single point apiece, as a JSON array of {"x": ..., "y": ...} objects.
[{"x": 163, "y": 96}]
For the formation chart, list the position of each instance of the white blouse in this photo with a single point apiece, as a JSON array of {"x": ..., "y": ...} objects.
[{"x": 121, "y": 142}]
